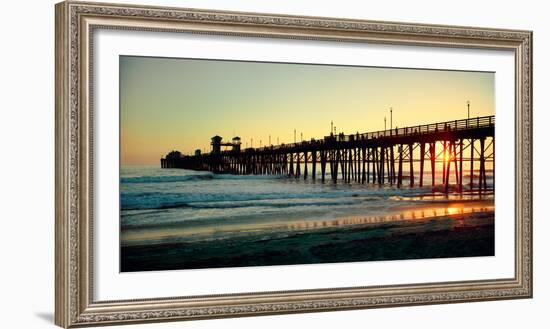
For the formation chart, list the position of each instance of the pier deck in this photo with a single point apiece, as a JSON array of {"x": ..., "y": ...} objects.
[{"x": 374, "y": 157}]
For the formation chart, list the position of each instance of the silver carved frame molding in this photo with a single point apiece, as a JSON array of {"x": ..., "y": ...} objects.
[{"x": 75, "y": 24}]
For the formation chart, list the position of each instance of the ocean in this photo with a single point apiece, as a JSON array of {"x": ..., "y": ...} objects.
[{"x": 170, "y": 208}]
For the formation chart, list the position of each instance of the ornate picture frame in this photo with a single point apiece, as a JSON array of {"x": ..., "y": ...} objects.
[{"x": 75, "y": 24}]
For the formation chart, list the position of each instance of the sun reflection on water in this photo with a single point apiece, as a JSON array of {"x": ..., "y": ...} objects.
[{"x": 420, "y": 214}]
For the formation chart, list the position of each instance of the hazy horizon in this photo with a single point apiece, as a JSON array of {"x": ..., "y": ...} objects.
[{"x": 179, "y": 104}]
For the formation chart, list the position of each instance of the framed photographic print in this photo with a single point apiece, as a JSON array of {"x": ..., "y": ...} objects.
[{"x": 216, "y": 164}]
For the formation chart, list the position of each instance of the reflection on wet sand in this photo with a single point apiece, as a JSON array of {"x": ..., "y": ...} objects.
[
  {"x": 432, "y": 210},
  {"x": 421, "y": 214}
]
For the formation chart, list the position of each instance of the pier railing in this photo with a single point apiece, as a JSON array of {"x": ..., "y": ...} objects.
[{"x": 452, "y": 126}]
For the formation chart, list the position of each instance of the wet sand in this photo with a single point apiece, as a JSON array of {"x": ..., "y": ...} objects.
[{"x": 453, "y": 233}]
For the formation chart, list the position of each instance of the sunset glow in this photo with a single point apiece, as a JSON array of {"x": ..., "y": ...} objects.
[{"x": 179, "y": 104}]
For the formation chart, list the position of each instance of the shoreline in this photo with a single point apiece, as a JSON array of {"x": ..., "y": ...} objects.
[{"x": 196, "y": 231}]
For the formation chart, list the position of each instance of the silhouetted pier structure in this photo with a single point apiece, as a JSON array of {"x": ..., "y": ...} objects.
[{"x": 379, "y": 157}]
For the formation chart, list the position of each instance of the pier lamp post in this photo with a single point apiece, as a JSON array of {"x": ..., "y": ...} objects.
[
  {"x": 301, "y": 137},
  {"x": 385, "y": 124},
  {"x": 294, "y": 136},
  {"x": 468, "y": 121},
  {"x": 391, "y": 118},
  {"x": 331, "y": 126}
]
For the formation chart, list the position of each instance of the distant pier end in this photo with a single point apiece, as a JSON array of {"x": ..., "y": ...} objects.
[
  {"x": 376, "y": 157},
  {"x": 200, "y": 161}
]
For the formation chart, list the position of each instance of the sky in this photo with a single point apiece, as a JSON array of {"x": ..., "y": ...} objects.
[{"x": 179, "y": 104}]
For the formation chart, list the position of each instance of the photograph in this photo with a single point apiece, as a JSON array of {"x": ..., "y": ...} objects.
[{"x": 227, "y": 163}]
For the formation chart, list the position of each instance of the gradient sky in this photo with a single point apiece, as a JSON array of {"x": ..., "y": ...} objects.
[{"x": 179, "y": 104}]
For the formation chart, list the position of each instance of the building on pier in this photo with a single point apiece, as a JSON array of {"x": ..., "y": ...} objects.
[{"x": 216, "y": 144}]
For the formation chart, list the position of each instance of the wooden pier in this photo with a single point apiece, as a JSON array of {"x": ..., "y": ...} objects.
[{"x": 381, "y": 157}]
